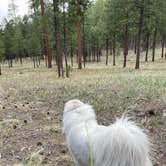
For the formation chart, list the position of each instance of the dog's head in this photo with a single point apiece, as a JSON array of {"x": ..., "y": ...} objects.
[
  {"x": 77, "y": 112},
  {"x": 72, "y": 105}
]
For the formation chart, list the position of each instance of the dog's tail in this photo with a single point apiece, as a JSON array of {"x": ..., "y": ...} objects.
[{"x": 123, "y": 144}]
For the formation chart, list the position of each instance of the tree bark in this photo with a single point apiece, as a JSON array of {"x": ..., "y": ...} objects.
[
  {"x": 135, "y": 45},
  {"x": 107, "y": 51},
  {"x": 114, "y": 49},
  {"x": 21, "y": 60},
  {"x": 34, "y": 63},
  {"x": 79, "y": 39},
  {"x": 137, "y": 65},
  {"x": 147, "y": 46},
  {"x": 65, "y": 50},
  {"x": 154, "y": 43},
  {"x": 110, "y": 48},
  {"x": 162, "y": 45},
  {"x": 45, "y": 30},
  {"x": 90, "y": 54},
  {"x": 84, "y": 51},
  {"x": 57, "y": 39},
  {"x": 11, "y": 62},
  {"x": 71, "y": 52},
  {"x": 125, "y": 52}
]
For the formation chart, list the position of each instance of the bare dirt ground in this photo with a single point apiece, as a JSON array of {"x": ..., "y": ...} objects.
[{"x": 32, "y": 100}]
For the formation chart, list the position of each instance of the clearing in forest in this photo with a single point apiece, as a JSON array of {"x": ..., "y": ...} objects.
[{"x": 32, "y": 101}]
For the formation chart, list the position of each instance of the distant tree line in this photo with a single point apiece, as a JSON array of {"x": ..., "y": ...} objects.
[{"x": 59, "y": 30}]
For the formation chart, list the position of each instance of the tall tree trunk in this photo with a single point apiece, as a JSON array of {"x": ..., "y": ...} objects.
[
  {"x": 36, "y": 59},
  {"x": 57, "y": 39},
  {"x": 79, "y": 39},
  {"x": 147, "y": 46},
  {"x": 114, "y": 49},
  {"x": 97, "y": 51},
  {"x": 11, "y": 62},
  {"x": 34, "y": 63},
  {"x": 83, "y": 34},
  {"x": 110, "y": 48},
  {"x": 154, "y": 43},
  {"x": 20, "y": 59},
  {"x": 0, "y": 70},
  {"x": 162, "y": 45},
  {"x": 135, "y": 45},
  {"x": 107, "y": 51},
  {"x": 39, "y": 59},
  {"x": 65, "y": 50},
  {"x": 45, "y": 30},
  {"x": 125, "y": 52},
  {"x": 8, "y": 60},
  {"x": 141, "y": 16},
  {"x": 90, "y": 53},
  {"x": 71, "y": 52}
]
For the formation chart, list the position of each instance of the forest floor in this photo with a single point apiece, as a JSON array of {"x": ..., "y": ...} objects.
[{"x": 32, "y": 101}]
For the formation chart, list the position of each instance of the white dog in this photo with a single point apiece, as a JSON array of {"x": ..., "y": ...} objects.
[{"x": 120, "y": 144}]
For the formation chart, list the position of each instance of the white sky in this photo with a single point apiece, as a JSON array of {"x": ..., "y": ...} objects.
[{"x": 22, "y": 7}]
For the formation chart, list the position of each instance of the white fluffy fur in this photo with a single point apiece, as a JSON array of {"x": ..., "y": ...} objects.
[{"x": 120, "y": 144}]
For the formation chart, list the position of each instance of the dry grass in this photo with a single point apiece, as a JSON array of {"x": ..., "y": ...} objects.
[{"x": 38, "y": 96}]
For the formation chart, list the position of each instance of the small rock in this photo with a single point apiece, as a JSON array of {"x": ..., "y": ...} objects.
[
  {"x": 25, "y": 121},
  {"x": 18, "y": 157},
  {"x": 39, "y": 144},
  {"x": 63, "y": 151},
  {"x": 41, "y": 153},
  {"x": 14, "y": 127}
]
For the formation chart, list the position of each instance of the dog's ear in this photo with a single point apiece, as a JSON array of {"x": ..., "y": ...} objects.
[{"x": 72, "y": 104}]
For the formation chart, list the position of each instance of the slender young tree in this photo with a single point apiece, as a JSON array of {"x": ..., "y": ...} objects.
[
  {"x": 154, "y": 43},
  {"x": 78, "y": 8},
  {"x": 83, "y": 43},
  {"x": 147, "y": 46},
  {"x": 162, "y": 47},
  {"x": 79, "y": 38},
  {"x": 45, "y": 30},
  {"x": 64, "y": 33},
  {"x": 107, "y": 43},
  {"x": 140, "y": 6},
  {"x": 2, "y": 49},
  {"x": 57, "y": 38},
  {"x": 114, "y": 49},
  {"x": 125, "y": 52}
]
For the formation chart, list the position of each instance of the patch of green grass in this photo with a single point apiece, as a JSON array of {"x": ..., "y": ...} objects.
[{"x": 53, "y": 128}]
